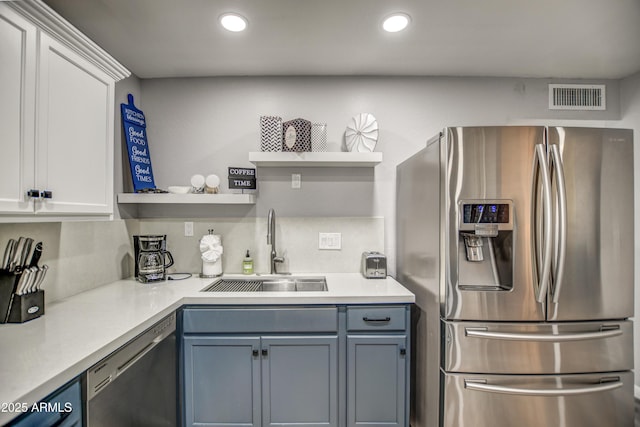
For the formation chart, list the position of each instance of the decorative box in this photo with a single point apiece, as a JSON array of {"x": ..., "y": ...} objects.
[
  {"x": 297, "y": 135},
  {"x": 319, "y": 137},
  {"x": 270, "y": 133}
]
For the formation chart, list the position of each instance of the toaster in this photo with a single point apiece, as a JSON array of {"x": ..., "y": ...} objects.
[{"x": 374, "y": 265}]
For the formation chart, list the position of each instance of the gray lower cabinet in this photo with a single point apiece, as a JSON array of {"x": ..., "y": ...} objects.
[
  {"x": 235, "y": 380},
  {"x": 332, "y": 366},
  {"x": 376, "y": 372},
  {"x": 300, "y": 381},
  {"x": 222, "y": 381},
  {"x": 377, "y": 366}
]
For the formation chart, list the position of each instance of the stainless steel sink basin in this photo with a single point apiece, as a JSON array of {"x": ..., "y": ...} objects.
[{"x": 269, "y": 284}]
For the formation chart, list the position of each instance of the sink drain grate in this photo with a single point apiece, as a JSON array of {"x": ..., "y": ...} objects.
[{"x": 225, "y": 285}]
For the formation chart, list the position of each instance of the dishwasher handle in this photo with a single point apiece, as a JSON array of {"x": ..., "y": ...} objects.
[{"x": 122, "y": 368}]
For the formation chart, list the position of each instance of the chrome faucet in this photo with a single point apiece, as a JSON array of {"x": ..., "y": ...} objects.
[{"x": 271, "y": 240}]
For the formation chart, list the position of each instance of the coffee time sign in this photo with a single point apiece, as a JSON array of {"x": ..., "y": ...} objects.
[
  {"x": 242, "y": 179},
  {"x": 135, "y": 132}
]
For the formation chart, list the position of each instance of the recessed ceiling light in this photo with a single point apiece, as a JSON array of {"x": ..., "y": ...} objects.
[
  {"x": 396, "y": 22},
  {"x": 233, "y": 22}
]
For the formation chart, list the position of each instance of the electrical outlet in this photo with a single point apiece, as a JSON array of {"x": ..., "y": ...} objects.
[
  {"x": 295, "y": 180},
  {"x": 188, "y": 229},
  {"x": 330, "y": 241}
]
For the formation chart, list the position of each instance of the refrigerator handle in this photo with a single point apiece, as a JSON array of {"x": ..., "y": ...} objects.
[
  {"x": 481, "y": 385},
  {"x": 511, "y": 336},
  {"x": 561, "y": 236},
  {"x": 541, "y": 167}
]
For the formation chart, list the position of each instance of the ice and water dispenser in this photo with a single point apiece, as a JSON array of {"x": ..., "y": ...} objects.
[{"x": 485, "y": 245}]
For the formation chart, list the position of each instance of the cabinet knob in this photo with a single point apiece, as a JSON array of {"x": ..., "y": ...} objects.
[
  {"x": 255, "y": 352},
  {"x": 46, "y": 194},
  {"x": 33, "y": 193},
  {"x": 265, "y": 352},
  {"x": 403, "y": 351}
]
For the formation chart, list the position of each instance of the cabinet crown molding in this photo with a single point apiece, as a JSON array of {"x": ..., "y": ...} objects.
[{"x": 59, "y": 28}]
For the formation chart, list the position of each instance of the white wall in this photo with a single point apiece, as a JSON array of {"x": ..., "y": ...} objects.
[{"x": 204, "y": 125}]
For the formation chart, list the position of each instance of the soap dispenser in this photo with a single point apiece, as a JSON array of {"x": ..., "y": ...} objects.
[{"x": 247, "y": 264}]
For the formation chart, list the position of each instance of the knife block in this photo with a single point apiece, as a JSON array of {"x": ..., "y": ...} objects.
[
  {"x": 8, "y": 282},
  {"x": 18, "y": 308},
  {"x": 26, "y": 307}
]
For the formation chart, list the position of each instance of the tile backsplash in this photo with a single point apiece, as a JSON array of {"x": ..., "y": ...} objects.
[
  {"x": 296, "y": 241},
  {"x": 85, "y": 255},
  {"x": 80, "y": 255}
]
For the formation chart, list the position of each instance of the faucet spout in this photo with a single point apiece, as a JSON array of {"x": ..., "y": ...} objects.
[
  {"x": 271, "y": 228},
  {"x": 271, "y": 240}
]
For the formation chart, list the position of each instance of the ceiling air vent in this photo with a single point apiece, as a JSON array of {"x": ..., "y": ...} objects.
[{"x": 577, "y": 97}]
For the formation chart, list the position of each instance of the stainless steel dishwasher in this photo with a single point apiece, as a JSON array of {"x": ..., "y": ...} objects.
[{"x": 136, "y": 385}]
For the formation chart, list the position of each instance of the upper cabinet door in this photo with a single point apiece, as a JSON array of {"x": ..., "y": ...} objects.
[
  {"x": 17, "y": 106},
  {"x": 74, "y": 141}
]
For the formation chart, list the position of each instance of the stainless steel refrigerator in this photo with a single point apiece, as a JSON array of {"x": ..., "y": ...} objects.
[{"x": 518, "y": 243}]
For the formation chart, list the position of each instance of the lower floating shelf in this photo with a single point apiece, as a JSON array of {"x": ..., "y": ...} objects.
[{"x": 188, "y": 199}]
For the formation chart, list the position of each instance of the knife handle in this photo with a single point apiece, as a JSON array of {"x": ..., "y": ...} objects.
[{"x": 37, "y": 253}]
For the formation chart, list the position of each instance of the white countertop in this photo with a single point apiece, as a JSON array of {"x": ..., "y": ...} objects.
[{"x": 41, "y": 355}]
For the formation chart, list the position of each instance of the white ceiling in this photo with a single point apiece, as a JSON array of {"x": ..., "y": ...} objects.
[{"x": 518, "y": 38}]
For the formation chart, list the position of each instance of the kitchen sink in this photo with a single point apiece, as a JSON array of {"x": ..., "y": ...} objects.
[{"x": 269, "y": 284}]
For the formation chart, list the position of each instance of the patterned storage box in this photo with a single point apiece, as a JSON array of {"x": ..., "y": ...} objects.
[
  {"x": 270, "y": 133},
  {"x": 319, "y": 137},
  {"x": 297, "y": 135}
]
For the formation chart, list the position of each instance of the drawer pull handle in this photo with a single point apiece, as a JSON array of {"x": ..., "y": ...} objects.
[
  {"x": 374, "y": 319},
  {"x": 605, "y": 332}
]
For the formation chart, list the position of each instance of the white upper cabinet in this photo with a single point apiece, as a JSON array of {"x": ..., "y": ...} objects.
[
  {"x": 17, "y": 109},
  {"x": 59, "y": 115}
]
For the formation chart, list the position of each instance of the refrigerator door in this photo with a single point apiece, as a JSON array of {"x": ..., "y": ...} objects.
[
  {"x": 493, "y": 164},
  {"x": 595, "y": 278},
  {"x": 538, "y": 348},
  {"x": 473, "y": 400}
]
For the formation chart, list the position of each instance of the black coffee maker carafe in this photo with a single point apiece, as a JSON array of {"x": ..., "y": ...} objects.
[{"x": 151, "y": 258}]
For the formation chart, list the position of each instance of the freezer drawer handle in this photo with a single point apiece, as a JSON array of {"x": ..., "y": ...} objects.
[
  {"x": 511, "y": 336},
  {"x": 481, "y": 385}
]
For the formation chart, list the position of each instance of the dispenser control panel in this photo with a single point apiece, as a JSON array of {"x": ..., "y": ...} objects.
[{"x": 492, "y": 213}]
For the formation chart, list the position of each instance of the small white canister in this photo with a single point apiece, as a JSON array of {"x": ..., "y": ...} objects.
[{"x": 211, "y": 253}]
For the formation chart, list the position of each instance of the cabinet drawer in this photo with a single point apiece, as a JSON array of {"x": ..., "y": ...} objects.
[
  {"x": 376, "y": 318},
  {"x": 261, "y": 320},
  {"x": 63, "y": 408}
]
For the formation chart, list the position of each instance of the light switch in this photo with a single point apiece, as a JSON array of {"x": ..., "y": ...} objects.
[
  {"x": 330, "y": 241},
  {"x": 295, "y": 180},
  {"x": 188, "y": 229}
]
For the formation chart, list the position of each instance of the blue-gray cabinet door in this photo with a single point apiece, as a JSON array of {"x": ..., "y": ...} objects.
[
  {"x": 222, "y": 381},
  {"x": 376, "y": 380},
  {"x": 300, "y": 381}
]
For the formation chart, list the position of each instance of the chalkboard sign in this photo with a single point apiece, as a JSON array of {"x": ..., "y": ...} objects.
[
  {"x": 135, "y": 132},
  {"x": 242, "y": 179}
]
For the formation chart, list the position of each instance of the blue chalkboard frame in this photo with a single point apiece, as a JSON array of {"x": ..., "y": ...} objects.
[{"x": 135, "y": 132}]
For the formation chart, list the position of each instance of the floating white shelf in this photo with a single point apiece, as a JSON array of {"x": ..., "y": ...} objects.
[
  {"x": 194, "y": 199},
  {"x": 315, "y": 159}
]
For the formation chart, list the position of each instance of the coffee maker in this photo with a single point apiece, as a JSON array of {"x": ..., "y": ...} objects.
[{"x": 151, "y": 257}]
